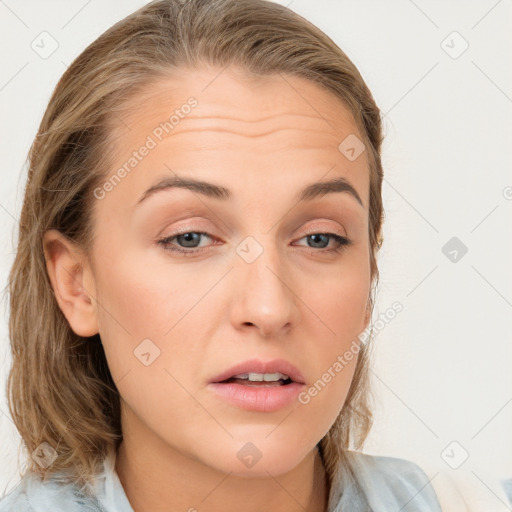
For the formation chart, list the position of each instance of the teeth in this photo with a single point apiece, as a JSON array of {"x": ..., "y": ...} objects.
[{"x": 259, "y": 377}]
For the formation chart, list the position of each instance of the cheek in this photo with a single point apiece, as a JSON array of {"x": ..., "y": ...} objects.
[
  {"x": 339, "y": 308},
  {"x": 147, "y": 323},
  {"x": 324, "y": 398},
  {"x": 140, "y": 301},
  {"x": 149, "y": 295},
  {"x": 339, "y": 299}
]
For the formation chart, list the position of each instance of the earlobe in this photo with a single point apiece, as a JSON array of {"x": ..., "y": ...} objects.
[{"x": 68, "y": 272}]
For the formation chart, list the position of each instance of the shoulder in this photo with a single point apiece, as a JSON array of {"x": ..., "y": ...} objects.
[
  {"x": 33, "y": 494},
  {"x": 390, "y": 468},
  {"x": 390, "y": 483},
  {"x": 16, "y": 499}
]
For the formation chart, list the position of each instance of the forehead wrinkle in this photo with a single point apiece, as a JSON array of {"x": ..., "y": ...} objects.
[
  {"x": 237, "y": 133},
  {"x": 154, "y": 112},
  {"x": 321, "y": 136},
  {"x": 148, "y": 122}
]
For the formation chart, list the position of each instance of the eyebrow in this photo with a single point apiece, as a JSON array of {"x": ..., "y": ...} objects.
[{"x": 310, "y": 192}]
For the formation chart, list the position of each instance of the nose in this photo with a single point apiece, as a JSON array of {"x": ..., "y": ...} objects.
[{"x": 266, "y": 296}]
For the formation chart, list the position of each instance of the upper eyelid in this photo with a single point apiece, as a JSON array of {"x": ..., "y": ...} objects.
[
  {"x": 308, "y": 232},
  {"x": 315, "y": 229}
]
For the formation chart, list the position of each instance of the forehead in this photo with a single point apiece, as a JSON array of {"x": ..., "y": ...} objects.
[
  {"x": 280, "y": 129},
  {"x": 239, "y": 98}
]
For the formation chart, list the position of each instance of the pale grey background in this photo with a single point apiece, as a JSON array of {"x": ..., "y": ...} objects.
[{"x": 443, "y": 366}]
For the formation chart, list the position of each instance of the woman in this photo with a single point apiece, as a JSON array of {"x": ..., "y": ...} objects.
[{"x": 198, "y": 238}]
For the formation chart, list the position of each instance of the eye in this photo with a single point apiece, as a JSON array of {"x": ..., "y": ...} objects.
[
  {"x": 190, "y": 239},
  {"x": 322, "y": 239},
  {"x": 189, "y": 242}
]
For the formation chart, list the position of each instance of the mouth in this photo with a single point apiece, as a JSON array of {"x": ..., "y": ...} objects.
[
  {"x": 259, "y": 379},
  {"x": 259, "y": 396},
  {"x": 259, "y": 386},
  {"x": 254, "y": 372}
]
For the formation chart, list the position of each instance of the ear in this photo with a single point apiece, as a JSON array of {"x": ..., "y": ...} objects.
[{"x": 71, "y": 278}]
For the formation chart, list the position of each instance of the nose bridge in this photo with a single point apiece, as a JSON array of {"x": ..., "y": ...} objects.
[
  {"x": 262, "y": 263},
  {"x": 265, "y": 293}
]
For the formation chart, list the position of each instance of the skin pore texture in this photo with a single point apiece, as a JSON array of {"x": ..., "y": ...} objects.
[{"x": 265, "y": 139}]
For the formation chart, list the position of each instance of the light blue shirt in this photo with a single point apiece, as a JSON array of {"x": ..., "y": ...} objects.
[{"x": 382, "y": 484}]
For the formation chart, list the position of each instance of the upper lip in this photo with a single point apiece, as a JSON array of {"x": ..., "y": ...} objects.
[{"x": 258, "y": 366}]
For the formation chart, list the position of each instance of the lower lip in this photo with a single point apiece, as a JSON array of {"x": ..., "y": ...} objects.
[{"x": 258, "y": 398}]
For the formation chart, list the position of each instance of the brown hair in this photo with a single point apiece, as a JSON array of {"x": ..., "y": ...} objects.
[{"x": 60, "y": 389}]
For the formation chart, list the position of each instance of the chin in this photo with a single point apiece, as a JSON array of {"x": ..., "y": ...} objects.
[{"x": 258, "y": 456}]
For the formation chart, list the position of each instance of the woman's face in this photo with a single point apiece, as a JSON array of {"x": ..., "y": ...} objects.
[{"x": 259, "y": 285}]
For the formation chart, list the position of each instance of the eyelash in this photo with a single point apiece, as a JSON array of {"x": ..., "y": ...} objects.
[{"x": 341, "y": 242}]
